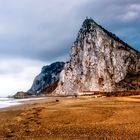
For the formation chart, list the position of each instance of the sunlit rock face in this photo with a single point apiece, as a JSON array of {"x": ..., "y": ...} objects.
[
  {"x": 48, "y": 76},
  {"x": 99, "y": 61}
]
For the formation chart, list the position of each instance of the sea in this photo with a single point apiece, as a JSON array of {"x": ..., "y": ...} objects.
[{"x": 7, "y": 102}]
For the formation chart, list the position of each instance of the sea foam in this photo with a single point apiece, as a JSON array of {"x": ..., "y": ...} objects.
[{"x": 7, "y": 102}]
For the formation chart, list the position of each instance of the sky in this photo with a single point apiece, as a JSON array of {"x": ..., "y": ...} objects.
[{"x": 34, "y": 33}]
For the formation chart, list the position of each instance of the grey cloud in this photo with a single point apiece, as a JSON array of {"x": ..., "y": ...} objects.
[{"x": 35, "y": 31}]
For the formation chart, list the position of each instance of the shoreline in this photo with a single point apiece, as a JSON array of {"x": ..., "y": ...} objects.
[
  {"x": 32, "y": 100},
  {"x": 10, "y": 102}
]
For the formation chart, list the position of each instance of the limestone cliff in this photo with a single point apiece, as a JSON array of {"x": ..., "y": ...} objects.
[
  {"x": 48, "y": 76},
  {"x": 99, "y": 61}
]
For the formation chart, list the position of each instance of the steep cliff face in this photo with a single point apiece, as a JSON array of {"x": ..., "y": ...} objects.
[
  {"x": 48, "y": 76},
  {"x": 99, "y": 61}
]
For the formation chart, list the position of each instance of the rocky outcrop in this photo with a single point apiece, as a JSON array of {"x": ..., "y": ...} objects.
[
  {"x": 130, "y": 82},
  {"x": 49, "y": 89},
  {"x": 99, "y": 61},
  {"x": 48, "y": 76},
  {"x": 21, "y": 95}
]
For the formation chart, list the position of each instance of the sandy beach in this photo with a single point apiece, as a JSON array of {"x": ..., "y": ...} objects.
[{"x": 70, "y": 118}]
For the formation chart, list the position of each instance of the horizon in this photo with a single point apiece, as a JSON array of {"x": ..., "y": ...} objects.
[{"x": 34, "y": 34}]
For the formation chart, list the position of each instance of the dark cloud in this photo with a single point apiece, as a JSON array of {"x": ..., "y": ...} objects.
[{"x": 30, "y": 28}]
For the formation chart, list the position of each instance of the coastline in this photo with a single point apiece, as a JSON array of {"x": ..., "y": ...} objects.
[{"x": 9, "y": 102}]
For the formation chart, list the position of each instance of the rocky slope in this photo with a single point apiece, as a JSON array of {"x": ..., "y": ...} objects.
[
  {"x": 48, "y": 76},
  {"x": 99, "y": 61}
]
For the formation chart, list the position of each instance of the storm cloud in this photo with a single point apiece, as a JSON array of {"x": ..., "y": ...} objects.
[{"x": 34, "y": 33}]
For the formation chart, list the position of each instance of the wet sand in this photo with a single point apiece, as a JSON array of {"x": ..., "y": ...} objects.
[{"x": 70, "y": 118}]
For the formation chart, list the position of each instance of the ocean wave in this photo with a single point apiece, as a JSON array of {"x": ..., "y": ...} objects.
[{"x": 7, "y": 102}]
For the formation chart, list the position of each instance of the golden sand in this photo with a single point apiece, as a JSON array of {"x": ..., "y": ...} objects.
[{"x": 70, "y": 118}]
